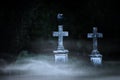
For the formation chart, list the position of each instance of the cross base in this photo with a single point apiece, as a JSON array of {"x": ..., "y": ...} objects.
[
  {"x": 60, "y": 51},
  {"x": 95, "y": 52},
  {"x": 61, "y": 58},
  {"x": 96, "y": 57}
]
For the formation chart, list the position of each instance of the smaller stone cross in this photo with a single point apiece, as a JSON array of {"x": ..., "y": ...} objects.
[{"x": 96, "y": 57}]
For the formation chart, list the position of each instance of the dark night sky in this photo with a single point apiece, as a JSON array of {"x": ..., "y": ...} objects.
[
  {"x": 87, "y": 13},
  {"x": 103, "y": 14}
]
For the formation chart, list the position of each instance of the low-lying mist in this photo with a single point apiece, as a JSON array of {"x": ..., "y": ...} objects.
[{"x": 43, "y": 64}]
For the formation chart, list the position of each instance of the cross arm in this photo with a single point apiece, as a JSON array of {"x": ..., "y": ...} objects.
[
  {"x": 99, "y": 35},
  {"x": 55, "y": 33},
  {"x": 65, "y": 33},
  {"x": 90, "y": 35}
]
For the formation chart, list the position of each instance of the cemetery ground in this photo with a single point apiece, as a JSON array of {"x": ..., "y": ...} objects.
[{"x": 39, "y": 64}]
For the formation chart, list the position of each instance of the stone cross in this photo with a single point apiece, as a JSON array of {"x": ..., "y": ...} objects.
[
  {"x": 95, "y": 35},
  {"x": 61, "y": 54},
  {"x": 95, "y": 56},
  {"x": 60, "y": 34}
]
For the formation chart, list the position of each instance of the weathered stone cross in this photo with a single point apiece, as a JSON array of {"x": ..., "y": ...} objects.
[
  {"x": 95, "y": 57},
  {"x": 95, "y": 35},
  {"x": 60, "y": 35}
]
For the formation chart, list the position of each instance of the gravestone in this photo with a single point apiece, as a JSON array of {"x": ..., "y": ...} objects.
[
  {"x": 61, "y": 54},
  {"x": 95, "y": 57}
]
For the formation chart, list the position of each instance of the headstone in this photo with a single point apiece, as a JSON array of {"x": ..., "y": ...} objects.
[
  {"x": 61, "y": 54},
  {"x": 95, "y": 57},
  {"x": 61, "y": 58}
]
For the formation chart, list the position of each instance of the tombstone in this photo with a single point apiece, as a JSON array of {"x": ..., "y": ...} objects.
[
  {"x": 61, "y": 54},
  {"x": 61, "y": 58},
  {"x": 95, "y": 57}
]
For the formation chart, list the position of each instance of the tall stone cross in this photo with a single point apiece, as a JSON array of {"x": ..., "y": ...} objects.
[
  {"x": 60, "y": 34},
  {"x": 61, "y": 54},
  {"x": 96, "y": 57}
]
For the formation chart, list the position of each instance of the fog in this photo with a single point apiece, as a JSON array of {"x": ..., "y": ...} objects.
[
  {"x": 42, "y": 67},
  {"x": 41, "y": 64}
]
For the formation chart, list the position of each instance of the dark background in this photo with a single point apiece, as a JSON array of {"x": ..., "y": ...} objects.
[{"x": 22, "y": 21}]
